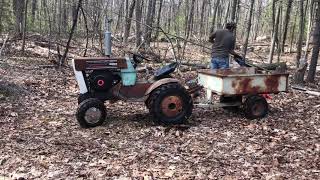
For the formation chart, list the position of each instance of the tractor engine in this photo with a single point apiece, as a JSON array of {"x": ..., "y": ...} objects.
[{"x": 102, "y": 80}]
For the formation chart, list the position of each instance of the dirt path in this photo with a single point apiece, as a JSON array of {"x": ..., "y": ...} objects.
[{"x": 41, "y": 139}]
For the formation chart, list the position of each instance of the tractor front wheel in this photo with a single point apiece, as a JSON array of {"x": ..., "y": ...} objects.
[
  {"x": 83, "y": 97},
  {"x": 170, "y": 104},
  {"x": 91, "y": 113}
]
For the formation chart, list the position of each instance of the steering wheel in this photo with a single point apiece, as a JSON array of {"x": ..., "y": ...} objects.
[{"x": 138, "y": 58}]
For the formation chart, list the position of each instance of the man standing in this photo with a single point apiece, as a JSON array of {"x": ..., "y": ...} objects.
[{"x": 223, "y": 44}]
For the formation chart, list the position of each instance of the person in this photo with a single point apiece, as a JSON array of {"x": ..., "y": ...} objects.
[{"x": 223, "y": 44}]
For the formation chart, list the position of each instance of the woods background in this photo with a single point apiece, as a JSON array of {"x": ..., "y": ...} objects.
[{"x": 289, "y": 26}]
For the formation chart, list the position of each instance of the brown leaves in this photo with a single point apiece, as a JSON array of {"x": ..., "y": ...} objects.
[{"x": 41, "y": 138}]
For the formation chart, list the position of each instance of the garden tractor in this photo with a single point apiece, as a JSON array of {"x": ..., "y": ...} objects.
[{"x": 103, "y": 79}]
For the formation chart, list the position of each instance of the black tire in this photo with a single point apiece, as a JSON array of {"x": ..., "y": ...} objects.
[
  {"x": 87, "y": 105},
  {"x": 170, "y": 104},
  {"x": 255, "y": 107},
  {"x": 83, "y": 97},
  {"x": 231, "y": 99}
]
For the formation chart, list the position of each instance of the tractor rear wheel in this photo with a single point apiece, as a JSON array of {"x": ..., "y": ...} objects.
[
  {"x": 170, "y": 104},
  {"x": 255, "y": 107},
  {"x": 91, "y": 113}
]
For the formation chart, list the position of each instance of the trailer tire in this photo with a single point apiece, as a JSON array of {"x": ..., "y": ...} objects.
[
  {"x": 170, "y": 104},
  {"x": 255, "y": 107},
  {"x": 96, "y": 106}
]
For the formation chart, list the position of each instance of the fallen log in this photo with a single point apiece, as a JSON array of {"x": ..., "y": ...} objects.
[{"x": 299, "y": 88}]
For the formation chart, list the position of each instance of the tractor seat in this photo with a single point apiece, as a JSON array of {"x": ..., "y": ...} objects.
[{"x": 165, "y": 71}]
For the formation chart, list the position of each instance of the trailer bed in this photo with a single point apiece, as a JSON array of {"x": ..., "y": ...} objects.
[{"x": 242, "y": 81}]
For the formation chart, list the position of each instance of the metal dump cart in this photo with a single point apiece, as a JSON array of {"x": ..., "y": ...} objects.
[{"x": 243, "y": 87}]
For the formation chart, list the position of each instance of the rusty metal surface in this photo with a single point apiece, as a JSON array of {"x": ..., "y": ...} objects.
[
  {"x": 171, "y": 106},
  {"x": 134, "y": 92},
  {"x": 228, "y": 72},
  {"x": 159, "y": 83},
  {"x": 240, "y": 84},
  {"x": 92, "y": 63}
]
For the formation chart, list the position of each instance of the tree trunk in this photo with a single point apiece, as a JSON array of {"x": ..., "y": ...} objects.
[
  {"x": 33, "y": 10},
  {"x": 138, "y": 21},
  {"x": 245, "y": 45},
  {"x": 316, "y": 47},
  {"x": 286, "y": 22},
  {"x": 159, "y": 17},
  {"x": 215, "y": 15},
  {"x": 24, "y": 26},
  {"x": 18, "y": 9},
  {"x": 293, "y": 31},
  {"x": 275, "y": 35},
  {"x": 149, "y": 22},
  {"x": 189, "y": 24},
  {"x": 128, "y": 21},
  {"x": 234, "y": 10},
  {"x": 202, "y": 26},
  {"x": 300, "y": 36},
  {"x": 309, "y": 29},
  {"x": 75, "y": 20}
]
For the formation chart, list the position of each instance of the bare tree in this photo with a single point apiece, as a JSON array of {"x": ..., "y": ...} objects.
[
  {"x": 74, "y": 24},
  {"x": 275, "y": 35},
  {"x": 286, "y": 22},
  {"x": 316, "y": 47},
  {"x": 24, "y": 26},
  {"x": 18, "y": 9},
  {"x": 138, "y": 22},
  {"x": 300, "y": 36},
  {"x": 129, "y": 14},
  {"x": 248, "y": 29}
]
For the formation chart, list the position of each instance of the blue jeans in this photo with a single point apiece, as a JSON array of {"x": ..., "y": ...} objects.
[{"x": 219, "y": 63}]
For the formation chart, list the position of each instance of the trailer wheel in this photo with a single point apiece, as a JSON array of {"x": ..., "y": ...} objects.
[
  {"x": 83, "y": 97},
  {"x": 255, "y": 107},
  {"x": 231, "y": 99},
  {"x": 170, "y": 104},
  {"x": 91, "y": 113}
]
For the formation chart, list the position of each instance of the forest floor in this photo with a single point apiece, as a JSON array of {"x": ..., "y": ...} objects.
[{"x": 40, "y": 137}]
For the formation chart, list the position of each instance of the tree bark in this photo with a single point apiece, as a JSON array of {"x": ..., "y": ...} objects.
[
  {"x": 138, "y": 21},
  {"x": 300, "y": 36},
  {"x": 215, "y": 15},
  {"x": 275, "y": 35},
  {"x": 245, "y": 45},
  {"x": 128, "y": 21},
  {"x": 159, "y": 17},
  {"x": 24, "y": 26},
  {"x": 286, "y": 22},
  {"x": 149, "y": 22},
  {"x": 309, "y": 29},
  {"x": 234, "y": 10},
  {"x": 18, "y": 9},
  {"x": 316, "y": 47}
]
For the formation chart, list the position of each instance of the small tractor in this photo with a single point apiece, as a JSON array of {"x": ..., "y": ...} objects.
[{"x": 103, "y": 79}]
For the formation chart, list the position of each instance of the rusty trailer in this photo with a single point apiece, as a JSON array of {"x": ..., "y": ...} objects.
[{"x": 243, "y": 87}]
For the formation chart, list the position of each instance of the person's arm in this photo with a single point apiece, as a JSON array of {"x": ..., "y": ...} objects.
[
  {"x": 236, "y": 55},
  {"x": 212, "y": 36}
]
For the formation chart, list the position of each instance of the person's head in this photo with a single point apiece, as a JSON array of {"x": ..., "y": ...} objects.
[{"x": 231, "y": 26}]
